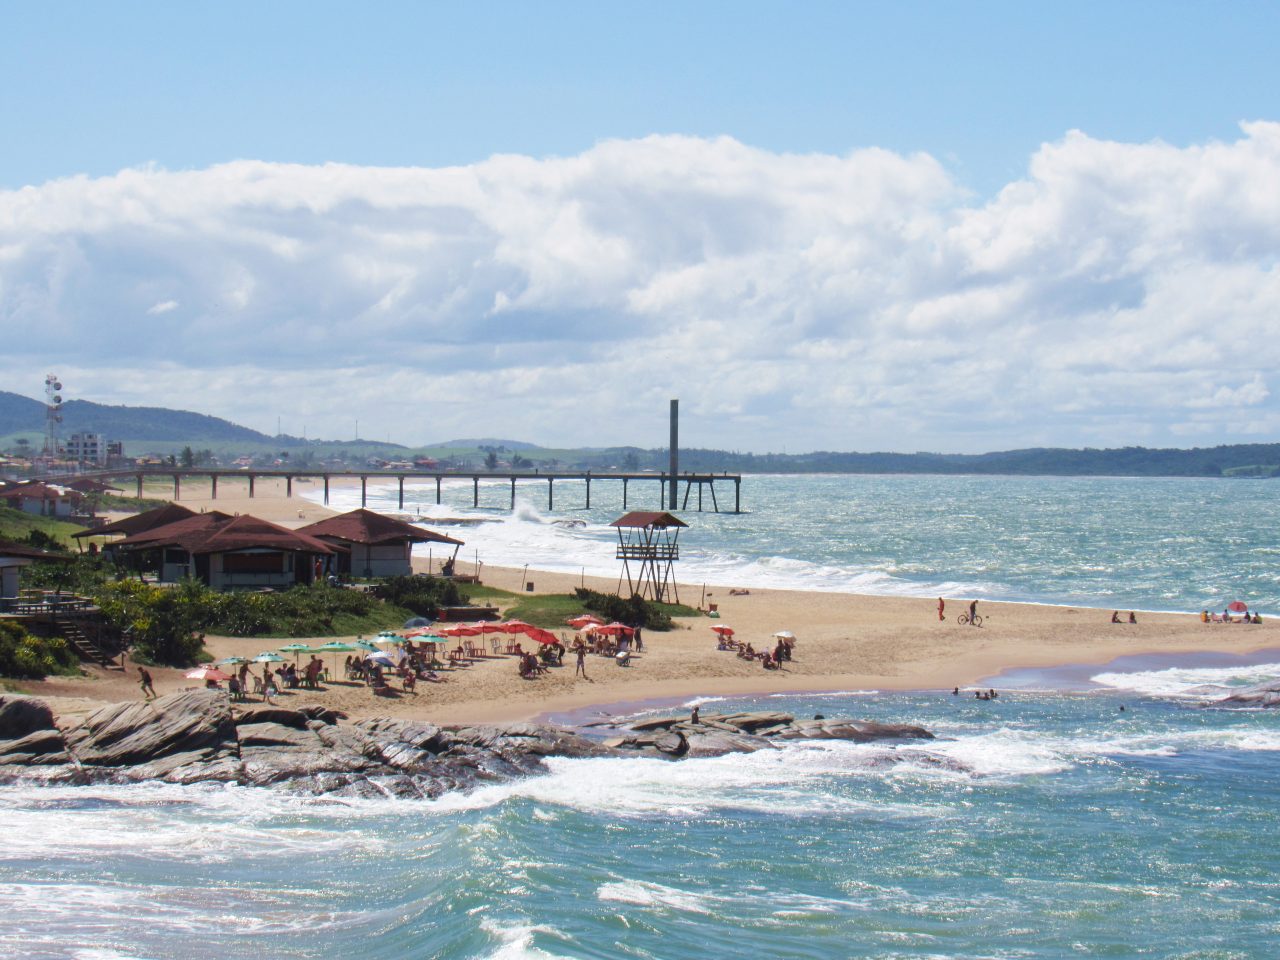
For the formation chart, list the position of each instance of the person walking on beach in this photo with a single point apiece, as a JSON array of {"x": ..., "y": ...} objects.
[
  {"x": 581, "y": 669},
  {"x": 942, "y": 605},
  {"x": 973, "y": 612},
  {"x": 144, "y": 681}
]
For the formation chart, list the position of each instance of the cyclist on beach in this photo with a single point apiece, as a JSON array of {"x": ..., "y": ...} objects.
[{"x": 973, "y": 612}]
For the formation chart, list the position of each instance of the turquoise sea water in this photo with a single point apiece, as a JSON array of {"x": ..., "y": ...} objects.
[
  {"x": 1037, "y": 826},
  {"x": 1044, "y": 824},
  {"x": 1163, "y": 544}
]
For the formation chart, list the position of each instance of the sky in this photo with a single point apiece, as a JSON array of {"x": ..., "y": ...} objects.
[{"x": 849, "y": 226}]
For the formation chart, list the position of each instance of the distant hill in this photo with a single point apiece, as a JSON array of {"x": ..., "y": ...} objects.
[
  {"x": 159, "y": 424},
  {"x": 487, "y": 442}
]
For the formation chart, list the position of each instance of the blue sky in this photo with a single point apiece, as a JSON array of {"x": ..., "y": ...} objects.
[
  {"x": 92, "y": 88},
  {"x": 906, "y": 226}
]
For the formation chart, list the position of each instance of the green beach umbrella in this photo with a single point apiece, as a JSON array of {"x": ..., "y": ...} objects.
[
  {"x": 391, "y": 639},
  {"x": 366, "y": 646},
  {"x": 232, "y": 661},
  {"x": 268, "y": 657},
  {"x": 297, "y": 649},
  {"x": 335, "y": 646}
]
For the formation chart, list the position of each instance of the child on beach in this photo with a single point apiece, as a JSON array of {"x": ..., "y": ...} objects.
[{"x": 144, "y": 681}]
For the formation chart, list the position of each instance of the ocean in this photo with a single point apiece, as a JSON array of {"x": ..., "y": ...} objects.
[
  {"x": 1148, "y": 544},
  {"x": 1047, "y": 823}
]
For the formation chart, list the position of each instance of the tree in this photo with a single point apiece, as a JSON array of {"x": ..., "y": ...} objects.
[
  {"x": 188, "y": 457},
  {"x": 631, "y": 461},
  {"x": 491, "y": 460}
]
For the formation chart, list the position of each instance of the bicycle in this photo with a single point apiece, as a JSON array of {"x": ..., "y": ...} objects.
[{"x": 963, "y": 619}]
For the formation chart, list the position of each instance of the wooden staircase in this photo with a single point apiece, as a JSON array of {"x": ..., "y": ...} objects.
[{"x": 87, "y": 647}]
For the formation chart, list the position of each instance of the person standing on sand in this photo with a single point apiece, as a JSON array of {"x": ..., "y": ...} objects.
[
  {"x": 144, "y": 681},
  {"x": 244, "y": 677},
  {"x": 581, "y": 669},
  {"x": 973, "y": 612},
  {"x": 942, "y": 605}
]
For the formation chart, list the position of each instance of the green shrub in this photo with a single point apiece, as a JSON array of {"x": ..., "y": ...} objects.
[
  {"x": 635, "y": 611},
  {"x": 165, "y": 625},
  {"x": 33, "y": 658},
  {"x": 422, "y": 595}
]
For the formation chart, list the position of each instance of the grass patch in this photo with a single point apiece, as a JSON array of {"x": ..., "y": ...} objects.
[
  {"x": 16, "y": 525},
  {"x": 546, "y": 610},
  {"x": 678, "y": 609},
  {"x": 385, "y": 617},
  {"x": 478, "y": 591}
]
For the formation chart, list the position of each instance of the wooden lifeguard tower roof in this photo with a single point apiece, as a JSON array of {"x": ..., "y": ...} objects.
[{"x": 648, "y": 518}]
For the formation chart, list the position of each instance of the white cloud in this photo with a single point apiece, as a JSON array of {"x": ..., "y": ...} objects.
[{"x": 1119, "y": 293}]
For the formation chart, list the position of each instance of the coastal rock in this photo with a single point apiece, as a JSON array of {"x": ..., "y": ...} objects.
[
  {"x": 127, "y": 734},
  {"x": 719, "y": 743},
  {"x": 1263, "y": 695},
  {"x": 859, "y": 731},
  {"x": 28, "y": 733},
  {"x": 276, "y": 735},
  {"x": 269, "y": 713}
]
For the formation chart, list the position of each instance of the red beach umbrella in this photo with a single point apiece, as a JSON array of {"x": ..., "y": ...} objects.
[
  {"x": 585, "y": 619},
  {"x": 723, "y": 629},
  {"x": 514, "y": 626},
  {"x": 615, "y": 629},
  {"x": 1237, "y": 606},
  {"x": 544, "y": 637},
  {"x": 207, "y": 673}
]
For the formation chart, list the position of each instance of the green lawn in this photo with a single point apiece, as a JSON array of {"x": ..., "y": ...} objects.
[{"x": 16, "y": 525}]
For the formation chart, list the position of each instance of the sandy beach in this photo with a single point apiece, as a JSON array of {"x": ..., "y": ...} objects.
[{"x": 845, "y": 642}]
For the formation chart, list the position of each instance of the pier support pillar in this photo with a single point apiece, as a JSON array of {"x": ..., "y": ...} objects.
[
  {"x": 177, "y": 486},
  {"x": 326, "y": 489},
  {"x": 401, "y": 493},
  {"x": 288, "y": 486},
  {"x": 700, "y": 497},
  {"x": 588, "y": 491},
  {"x": 475, "y": 491},
  {"x": 213, "y": 486},
  {"x": 251, "y": 485},
  {"x": 513, "y": 494},
  {"x": 364, "y": 489},
  {"x": 624, "y": 493},
  {"x": 437, "y": 491},
  {"x": 551, "y": 497},
  {"x": 139, "y": 486}
]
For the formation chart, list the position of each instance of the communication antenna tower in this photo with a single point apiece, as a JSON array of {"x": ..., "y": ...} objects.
[{"x": 52, "y": 415}]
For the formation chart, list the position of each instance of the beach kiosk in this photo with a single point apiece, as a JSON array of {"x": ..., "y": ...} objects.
[{"x": 648, "y": 546}]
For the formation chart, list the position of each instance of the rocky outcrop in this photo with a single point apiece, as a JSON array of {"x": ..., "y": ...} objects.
[
  {"x": 199, "y": 736},
  {"x": 715, "y": 735},
  {"x": 1263, "y": 695}
]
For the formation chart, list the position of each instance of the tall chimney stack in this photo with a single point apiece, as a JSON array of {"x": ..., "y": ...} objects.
[{"x": 675, "y": 450}]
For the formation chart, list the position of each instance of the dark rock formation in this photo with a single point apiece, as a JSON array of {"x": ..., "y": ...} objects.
[
  {"x": 197, "y": 736},
  {"x": 1262, "y": 695}
]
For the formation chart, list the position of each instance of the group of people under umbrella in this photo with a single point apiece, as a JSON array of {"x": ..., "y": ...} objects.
[
  {"x": 769, "y": 659},
  {"x": 414, "y": 654}
]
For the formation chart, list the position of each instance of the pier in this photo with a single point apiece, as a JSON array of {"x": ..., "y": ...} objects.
[{"x": 684, "y": 487}]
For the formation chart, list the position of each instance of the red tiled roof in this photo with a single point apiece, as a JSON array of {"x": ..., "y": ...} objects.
[
  {"x": 9, "y": 548},
  {"x": 39, "y": 491},
  {"x": 218, "y": 533},
  {"x": 365, "y": 526},
  {"x": 141, "y": 522},
  {"x": 643, "y": 518}
]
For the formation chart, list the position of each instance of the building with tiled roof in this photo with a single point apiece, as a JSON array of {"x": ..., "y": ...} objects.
[
  {"x": 228, "y": 553},
  {"x": 374, "y": 545}
]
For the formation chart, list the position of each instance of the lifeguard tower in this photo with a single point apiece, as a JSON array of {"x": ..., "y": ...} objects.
[{"x": 651, "y": 541}]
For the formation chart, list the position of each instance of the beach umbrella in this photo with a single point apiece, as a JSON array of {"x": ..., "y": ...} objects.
[
  {"x": 512, "y": 626},
  {"x": 207, "y": 673},
  {"x": 296, "y": 649},
  {"x": 615, "y": 629},
  {"x": 544, "y": 637},
  {"x": 781, "y": 634},
  {"x": 1237, "y": 606},
  {"x": 366, "y": 645},
  {"x": 232, "y": 661},
  {"x": 392, "y": 640},
  {"x": 418, "y": 631},
  {"x": 723, "y": 629},
  {"x": 584, "y": 620},
  {"x": 335, "y": 646},
  {"x": 268, "y": 657},
  {"x": 413, "y": 623},
  {"x": 380, "y": 658}
]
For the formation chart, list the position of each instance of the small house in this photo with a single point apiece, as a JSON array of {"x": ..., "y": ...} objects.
[{"x": 374, "y": 545}]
